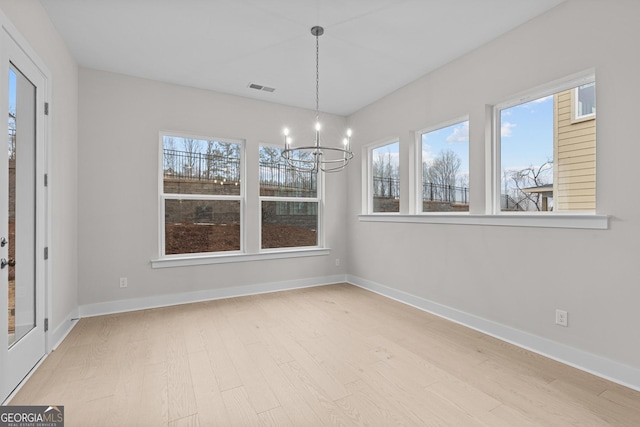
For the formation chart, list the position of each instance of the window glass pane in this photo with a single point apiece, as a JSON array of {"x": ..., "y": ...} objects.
[
  {"x": 289, "y": 224},
  {"x": 445, "y": 169},
  {"x": 193, "y": 226},
  {"x": 196, "y": 166},
  {"x": 386, "y": 178},
  {"x": 547, "y": 159},
  {"x": 586, "y": 100},
  {"x": 279, "y": 179}
]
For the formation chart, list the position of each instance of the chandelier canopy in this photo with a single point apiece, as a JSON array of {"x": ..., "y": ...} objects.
[{"x": 317, "y": 157}]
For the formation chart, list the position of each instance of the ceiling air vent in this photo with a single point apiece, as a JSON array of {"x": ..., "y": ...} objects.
[{"x": 260, "y": 87}]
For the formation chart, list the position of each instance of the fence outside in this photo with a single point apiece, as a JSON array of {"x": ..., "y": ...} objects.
[
  {"x": 385, "y": 187},
  {"x": 185, "y": 166},
  {"x": 284, "y": 177},
  {"x": 200, "y": 166},
  {"x": 445, "y": 193}
]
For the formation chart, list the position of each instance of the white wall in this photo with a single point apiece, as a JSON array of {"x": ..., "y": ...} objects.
[
  {"x": 478, "y": 270},
  {"x": 34, "y": 25},
  {"x": 120, "y": 120}
]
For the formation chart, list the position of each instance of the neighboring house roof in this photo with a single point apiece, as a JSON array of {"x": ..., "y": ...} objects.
[{"x": 545, "y": 190}]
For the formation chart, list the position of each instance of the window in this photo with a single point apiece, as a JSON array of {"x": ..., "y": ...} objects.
[
  {"x": 444, "y": 168},
  {"x": 201, "y": 195},
  {"x": 289, "y": 203},
  {"x": 384, "y": 182},
  {"x": 547, "y": 159},
  {"x": 584, "y": 102}
]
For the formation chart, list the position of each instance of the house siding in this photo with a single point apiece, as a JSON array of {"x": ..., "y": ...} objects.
[{"x": 574, "y": 158}]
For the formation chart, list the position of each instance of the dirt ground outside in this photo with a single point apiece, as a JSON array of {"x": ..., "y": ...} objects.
[
  {"x": 12, "y": 282},
  {"x": 193, "y": 238}
]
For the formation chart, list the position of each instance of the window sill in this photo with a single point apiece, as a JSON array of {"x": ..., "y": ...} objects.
[
  {"x": 189, "y": 260},
  {"x": 550, "y": 220}
]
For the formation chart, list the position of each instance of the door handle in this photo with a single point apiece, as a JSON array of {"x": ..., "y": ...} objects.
[
  {"x": 10, "y": 263},
  {"x": 3, "y": 242}
]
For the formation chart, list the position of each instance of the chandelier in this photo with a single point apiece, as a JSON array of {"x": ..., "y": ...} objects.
[{"x": 316, "y": 157}]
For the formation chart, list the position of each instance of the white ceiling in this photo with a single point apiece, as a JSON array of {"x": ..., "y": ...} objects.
[{"x": 369, "y": 49}]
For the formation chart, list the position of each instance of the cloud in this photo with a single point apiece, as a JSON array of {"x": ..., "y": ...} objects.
[
  {"x": 506, "y": 129},
  {"x": 460, "y": 133},
  {"x": 543, "y": 99},
  {"x": 427, "y": 155}
]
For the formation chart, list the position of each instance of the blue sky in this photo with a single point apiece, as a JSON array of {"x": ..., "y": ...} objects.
[
  {"x": 526, "y": 137},
  {"x": 454, "y": 137},
  {"x": 527, "y": 134},
  {"x": 12, "y": 90}
]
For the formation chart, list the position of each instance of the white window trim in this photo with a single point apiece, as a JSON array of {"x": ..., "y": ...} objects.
[
  {"x": 162, "y": 197},
  {"x": 319, "y": 199},
  {"x": 418, "y": 163},
  {"x": 224, "y": 257},
  {"x": 494, "y": 171},
  {"x": 543, "y": 219},
  {"x": 367, "y": 175}
]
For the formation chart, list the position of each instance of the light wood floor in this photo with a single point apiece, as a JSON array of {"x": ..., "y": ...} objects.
[{"x": 333, "y": 355}]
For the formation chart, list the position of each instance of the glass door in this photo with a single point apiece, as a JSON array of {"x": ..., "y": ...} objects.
[
  {"x": 21, "y": 217},
  {"x": 21, "y": 208}
]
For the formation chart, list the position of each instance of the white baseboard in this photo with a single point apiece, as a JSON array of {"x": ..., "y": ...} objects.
[
  {"x": 60, "y": 333},
  {"x": 611, "y": 370},
  {"x": 120, "y": 306}
]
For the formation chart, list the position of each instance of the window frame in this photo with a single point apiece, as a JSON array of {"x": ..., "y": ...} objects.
[
  {"x": 487, "y": 181},
  {"x": 367, "y": 174},
  {"x": 163, "y": 197},
  {"x": 318, "y": 199},
  {"x": 493, "y": 207},
  {"x": 419, "y": 178},
  {"x": 575, "y": 117}
]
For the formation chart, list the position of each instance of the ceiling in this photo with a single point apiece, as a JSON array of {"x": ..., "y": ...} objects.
[{"x": 369, "y": 49}]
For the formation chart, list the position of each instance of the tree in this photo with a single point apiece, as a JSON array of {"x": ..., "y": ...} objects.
[
  {"x": 530, "y": 177},
  {"x": 12, "y": 135},
  {"x": 222, "y": 160},
  {"x": 441, "y": 175},
  {"x": 169, "y": 155},
  {"x": 193, "y": 148},
  {"x": 385, "y": 175}
]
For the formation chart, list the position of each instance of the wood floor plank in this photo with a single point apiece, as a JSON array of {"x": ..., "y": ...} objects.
[
  {"x": 240, "y": 410},
  {"x": 292, "y": 400},
  {"x": 328, "y": 356},
  {"x": 210, "y": 406},
  {"x": 324, "y": 408},
  {"x": 275, "y": 417},
  {"x": 259, "y": 393},
  {"x": 333, "y": 388},
  {"x": 365, "y": 406},
  {"x": 154, "y": 407},
  {"x": 221, "y": 361},
  {"x": 181, "y": 396},
  {"x": 190, "y": 421}
]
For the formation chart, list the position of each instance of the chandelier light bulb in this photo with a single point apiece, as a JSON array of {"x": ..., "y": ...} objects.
[
  {"x": 349, "y": 132},
  {"x": 318, "y": 126},
  {"x": 286, "y": 131}
]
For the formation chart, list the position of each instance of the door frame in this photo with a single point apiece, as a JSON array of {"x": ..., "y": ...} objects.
[{"x": 9, "y": 35}]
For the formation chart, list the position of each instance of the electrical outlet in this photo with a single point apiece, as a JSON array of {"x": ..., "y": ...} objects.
[
  {"x": 337, "y": 262},
  {"x": 123, "y": 282},
  {"x": 562, "y": 318}
]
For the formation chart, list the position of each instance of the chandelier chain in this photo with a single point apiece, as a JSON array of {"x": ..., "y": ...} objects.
[
  {"x": 317, "y": 76},
  {"x": 317, "y": 158}
]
